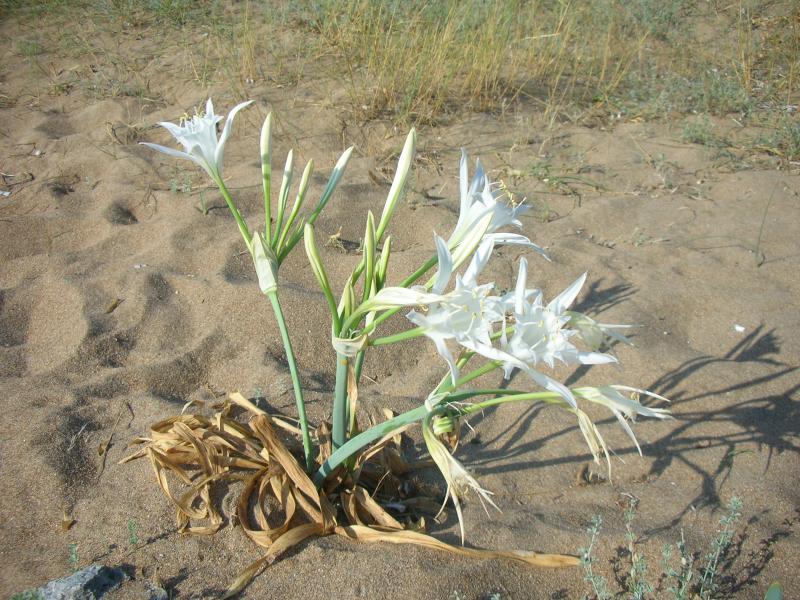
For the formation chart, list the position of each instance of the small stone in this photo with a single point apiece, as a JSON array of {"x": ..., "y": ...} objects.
[{"x": 90, "y": 583}]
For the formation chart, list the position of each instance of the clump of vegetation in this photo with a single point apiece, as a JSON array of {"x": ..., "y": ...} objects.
[
  {"x": 695, "y": 577},
  {"x": 783, "y": 138}
]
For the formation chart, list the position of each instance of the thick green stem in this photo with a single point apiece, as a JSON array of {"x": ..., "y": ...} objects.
[
  {"x": 411, "y": 279},
  {"x": 358, "y": 365},
  {"x": 298, "y": 391},
  {"x": 340, "y": 420},
  {"x": 448, "y": 385}
]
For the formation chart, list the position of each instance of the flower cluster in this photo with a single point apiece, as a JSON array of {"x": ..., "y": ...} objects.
[
  {"x": 516, "y": 330},
  {"x": 475, "y": 318}
]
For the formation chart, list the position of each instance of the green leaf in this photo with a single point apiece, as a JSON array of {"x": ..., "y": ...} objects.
[
  {"x": 301, "y": 196},
  {"x": 286, "y": 183},
  {"x": 383, "y": 264}
]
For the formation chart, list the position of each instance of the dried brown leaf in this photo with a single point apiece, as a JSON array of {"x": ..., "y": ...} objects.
[
  {"x": 376, "y": 512},
  {"x": 372, "y": 535},
  {"x": 287, "y": 540}
]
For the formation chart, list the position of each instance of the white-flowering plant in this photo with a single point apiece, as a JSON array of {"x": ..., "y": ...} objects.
[{"x": 468, "y": 321}]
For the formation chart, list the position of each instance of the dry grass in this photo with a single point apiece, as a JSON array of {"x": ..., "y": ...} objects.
[{"x": 424, "y": 62}]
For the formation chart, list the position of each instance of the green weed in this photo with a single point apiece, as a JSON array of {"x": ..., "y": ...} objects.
[
  {"x": 133, "y": 532},
  {"x": 694, "y": 578},
  {"x": 28, "y": 595},
  {"x": 701, "y": 131},
  {"x": 29, "y": 47},
  {"x": 72, "y": 557},
  {"x": 783, "y": 138}
]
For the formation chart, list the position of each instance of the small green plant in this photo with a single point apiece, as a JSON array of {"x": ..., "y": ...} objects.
[
  {"x": 690, "y": 581},
  {"x": 180, "y": 187},
  {"x": 638, "y": 586},
  {"x": 73, "y": 556},
  {"x": 202, "y": 206},
  {"x": 708, "y": 583},
  {"x": 597, "y": 582},
  {"x": 680, "y": 579},
  {"x": 29, "y": 47},
  {"x": 133, "y": 532},
  {"x": 783, "y": 138},
  {"x": 28, "y": 595},
  {"x": 702, "y": 132}
]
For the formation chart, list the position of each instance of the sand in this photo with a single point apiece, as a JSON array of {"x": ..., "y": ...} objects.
[{"x": 120, "y": 301}]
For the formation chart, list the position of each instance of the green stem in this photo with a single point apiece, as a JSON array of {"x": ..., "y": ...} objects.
[
  {"x": 448, "y": 385},
  {"x": 552, "y": 397},
  {"x": 248, "y": 240},
  {"x": 340, "y": 421},
  {"x": 375, "y": 433},
  {"x": 419, "y": 272},
  {"x": 359, "y": 364},
  {"x": 409, "y": 334},
  {"x": 411, "y": 279},
  {"x": 298, "y": 391}
]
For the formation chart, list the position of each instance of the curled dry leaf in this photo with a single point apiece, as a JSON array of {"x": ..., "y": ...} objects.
[{"x": 279, "y": 505}]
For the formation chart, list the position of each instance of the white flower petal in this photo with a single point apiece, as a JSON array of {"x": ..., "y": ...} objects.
[
  {"x": 445, "y": 260},
  {"x": 550, "y": 384},
  {"x": 479, "y": 260},
  {"x": 226, "y": 132},
  {"x": 561, "y": 302},
  {"x": 390, "y": 297},
  {"x": 170, "y": 151},
  {"x": 516, "y": 239},
  {"x": 520, "y": 292}
]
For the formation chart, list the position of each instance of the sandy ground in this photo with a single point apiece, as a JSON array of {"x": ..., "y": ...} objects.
[{"x": 120, "y": 301}]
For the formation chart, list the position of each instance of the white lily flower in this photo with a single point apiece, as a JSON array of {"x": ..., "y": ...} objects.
[
  {"x": 540, "y": 334},
  {"x": 458, "y": 479},
  {"x": 199, "y": 138},
  {"x": 467, "y": 313},
  {"x": 478, "y": 200}
]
